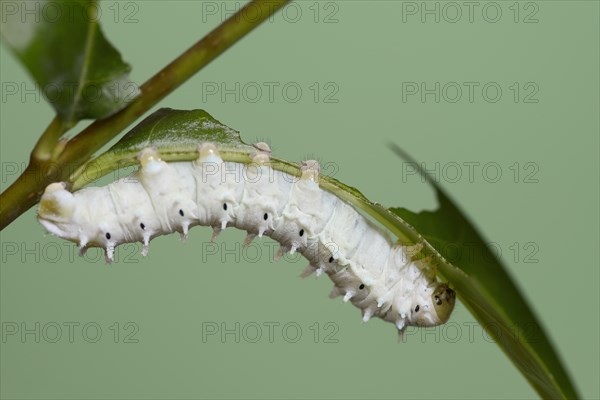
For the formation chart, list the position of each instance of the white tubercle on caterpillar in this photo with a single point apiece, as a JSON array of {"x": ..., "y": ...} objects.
[{"x": 377, "y": 275}]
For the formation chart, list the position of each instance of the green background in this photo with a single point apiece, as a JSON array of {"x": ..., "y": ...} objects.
[{"x": 366, "y": 50}]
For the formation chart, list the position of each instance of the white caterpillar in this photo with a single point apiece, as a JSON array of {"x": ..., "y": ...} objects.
[{"x": 381, "y": 278}]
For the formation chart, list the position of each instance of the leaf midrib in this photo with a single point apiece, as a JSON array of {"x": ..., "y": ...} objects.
[{"x": 89, "y": 46}]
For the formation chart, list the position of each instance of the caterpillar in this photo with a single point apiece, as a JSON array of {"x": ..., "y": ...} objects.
[{"x": 384, "y": 279}]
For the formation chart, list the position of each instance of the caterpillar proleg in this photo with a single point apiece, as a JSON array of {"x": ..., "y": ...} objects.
[{"x": 368, "y": 268}]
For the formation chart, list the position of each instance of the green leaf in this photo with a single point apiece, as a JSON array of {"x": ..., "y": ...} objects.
[
  {"x": 175, "y": 133},
  {"x": 62, "y": 46},
  {"x": 485, "y": 287},
  {"x": 481, "y": 281}
]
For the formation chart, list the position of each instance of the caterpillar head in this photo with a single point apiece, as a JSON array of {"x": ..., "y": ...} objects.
[
  {"x": 436, "y": 310},
  {"x": 56, "y": 210},
  {"x": 443, "y": 302}
]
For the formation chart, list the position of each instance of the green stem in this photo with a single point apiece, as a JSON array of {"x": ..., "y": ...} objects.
[
  {"x": 27, "y": 189},
  {"x": 44, "y": 148}
]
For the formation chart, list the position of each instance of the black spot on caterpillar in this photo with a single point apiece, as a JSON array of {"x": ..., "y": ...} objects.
[{"x": 367, "y": 268}]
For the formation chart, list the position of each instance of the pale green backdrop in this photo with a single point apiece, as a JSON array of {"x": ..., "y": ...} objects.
[{"x": 357, "y": 64}]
